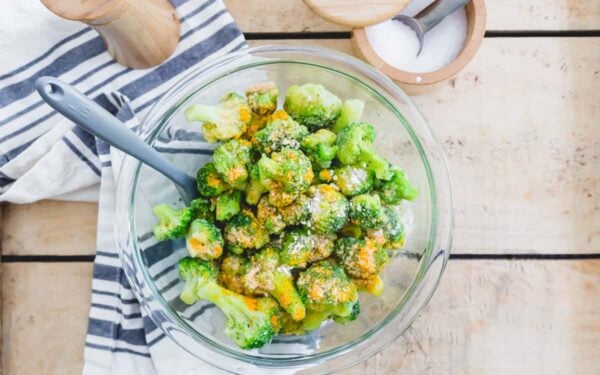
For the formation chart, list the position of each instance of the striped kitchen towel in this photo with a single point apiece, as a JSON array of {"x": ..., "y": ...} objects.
[{"x": 43, "y": 155}]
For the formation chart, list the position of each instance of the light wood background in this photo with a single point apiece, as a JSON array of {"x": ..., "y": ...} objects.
[{"x": 521, "y": 130}]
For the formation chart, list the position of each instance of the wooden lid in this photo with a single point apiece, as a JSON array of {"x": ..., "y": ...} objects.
[{"x": 357, "y": 13}]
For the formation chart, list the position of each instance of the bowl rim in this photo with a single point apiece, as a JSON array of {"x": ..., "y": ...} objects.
[{"x": 149, "y": 133}]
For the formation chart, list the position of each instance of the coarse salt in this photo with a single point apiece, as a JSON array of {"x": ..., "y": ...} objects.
[{"x": 397, "y": 44}]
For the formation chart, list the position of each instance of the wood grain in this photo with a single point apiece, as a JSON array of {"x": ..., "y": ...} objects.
[
  {"x": 512, "y": 15},
  {"x": 487, "y": 317},
  {"x": 356, "y": 13}
]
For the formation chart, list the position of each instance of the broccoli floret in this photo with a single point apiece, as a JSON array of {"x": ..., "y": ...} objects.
[
  {"x": 297, "y": 212},
  {"x": 397, "y": 188},
  {"x": 352, "y": 111},
  {"x": 291, "y": 326},
  {"x": 232, "y": 272},
  {"x": 324, "y": 286},
  {"x": 256, "y": 123},
  {"x": 288, "y": 169},
  {"x": 262, "y": 98},
  {"x": 201, "y": 209},
  {"x": 298, "y": 244},
  {"x": 231, "y": 160},
  {"x": 210, "y": 183},
  {"x": 361, "y": 258},
  {"x": 204, "y": 240},
  {"x": 278, "y": 197},
  {"x": 324, "y": 244},
  {"x": 355, "y": 146},
  {"x": 367, "y": 211},
  {"x": 172, "y": 223},
  {"x": 353, "y": 180},
  {"x": 225, "y": 121},
  {"x": 244, "y": 231},
  {"x": 325, "y": 175},
  {"x": 320, "y": 147},
  {"x": 269, "y": 216},
  {"x": 227, "y": 205},
  {"x": 281, "y": 132},
  {"x": 373, "y": 285},
  {"x": 314, "y": 319},
  {"x": 254, "y": 188},
  {"x": 249, "y": 320},
  {"x": 391, "y": 235},
  {"x": 312, "y": 105},
  {"x": 328, "y": 209},
  {"x": 348, "y": 318},
  {"x": 266, "y": 276}
]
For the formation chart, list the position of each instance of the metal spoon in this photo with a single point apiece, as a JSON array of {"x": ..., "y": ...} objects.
[
  {"x": 429, "y": 17},
  {"x": 88, "y": 115}
]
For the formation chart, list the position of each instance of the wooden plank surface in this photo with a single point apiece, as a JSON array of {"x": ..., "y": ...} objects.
[
  {"x": 487, "y": 317},
  {"x": 519, "y": 127},
  {"x": 512, "y": 15}
]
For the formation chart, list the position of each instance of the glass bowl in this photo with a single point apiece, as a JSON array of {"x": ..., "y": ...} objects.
[{"x": 404, "y": 138}]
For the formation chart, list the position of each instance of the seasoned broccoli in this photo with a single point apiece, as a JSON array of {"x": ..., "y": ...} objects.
[
  {"x": 361, "y": 258},
  {"x": 291, "y": 326},
  {"x": 249, "y": 320},
  {"x": 254, "y": 188},
  {"x": 289, "y": 168},
  {"x": 227, "y": 205},
  {"x": 281, "y": 132},
  {"x": 231, "y": 160},
  {"x": 201, "y": 209},
  {"x": 298, "y": 245},
  {"x": 312, "y": 105},
  {"x": 262, "y": 98},
  {"x": 297, "y": 212},
  {"x": 278, "y": 197},
  {"x": 352, "y": 111},
  {"x": 397, "y": 188},
  {"x": 391, "y": 235},
  {"x": 324, "y": 286},
  {"x": 204, "y": 240},
  {"x": 355, "y": 145},
  {"x": 269, "y": 216},
  {"x": 244, "y": 231},
  {"x": 232, "y": 273},
  {"x": 172, "y": 223},
  {"x": 210, "y": 183},
  {"x": 324, "y": 244},
  {"x": 353, "y": 180},
  {"x": 367, "y": 211},
  {"x": 256, "y": 123},
  {"x": 373, "y": 285},
  {"x": 320, "y": 147},
  {"x": 225, "y": 121},
  {"x": 266, "y": 276},
  {"x": 325, "y": 175},
  {"x": 328, "y": 209},
  {"x": 348, "y": 318}
]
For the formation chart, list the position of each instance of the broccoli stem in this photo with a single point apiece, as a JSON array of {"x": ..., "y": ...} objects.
[
  {"x": 352, "y": 111},
  {"x": 314, "y": 319},
  {"x": 201, "y": 112},
  {"x": 286, "y": 294},
  {"x": 377, "y": 165}
]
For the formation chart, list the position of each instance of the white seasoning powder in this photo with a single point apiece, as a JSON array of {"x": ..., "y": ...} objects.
[{"x": 397, "y": 44}]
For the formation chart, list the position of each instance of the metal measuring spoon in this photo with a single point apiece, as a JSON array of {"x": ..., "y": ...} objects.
[
  {"x": 429, "y": 17},
  {"x": 88, "y": 115}
]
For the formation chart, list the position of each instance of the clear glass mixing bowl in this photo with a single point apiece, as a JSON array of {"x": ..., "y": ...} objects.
[{"x": 403, "y": 137}]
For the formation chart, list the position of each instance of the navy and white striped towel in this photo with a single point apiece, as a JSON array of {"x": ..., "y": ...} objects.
[{"x": 43, "y": 155}]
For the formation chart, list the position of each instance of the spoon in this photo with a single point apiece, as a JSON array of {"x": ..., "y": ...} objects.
[
  {"x": 429, "y": 17},
  {"x": 89, "y": 116}
]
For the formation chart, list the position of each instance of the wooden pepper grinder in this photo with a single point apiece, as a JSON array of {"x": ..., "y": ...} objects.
[{"x": 137, "y": 33}]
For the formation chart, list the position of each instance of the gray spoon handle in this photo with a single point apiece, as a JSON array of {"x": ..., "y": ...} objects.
[
  {"x": 434, "y": 13},
  {"x": 96, "y": 120}
]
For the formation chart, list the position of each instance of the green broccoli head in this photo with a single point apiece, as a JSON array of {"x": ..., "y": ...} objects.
[
  {"x": 353, "y": 180},
  {"x": 355, "y": 146},
  {"x": 280, "y": 132},
  {"x": 232, "y": 273},
  {"x": 225, "y": 121},
  {"x": 269, "y": 216},
  {"x": 324, "y": 286},
  {"x": 278, "y": 197},
  {"x": 361, "y": 258},
  {"x": 266, "y": 276},
  {"x": 328, "y": 209},
  {"x": 320, "y": 147},
  {"x": 288, "y": 168},
  {"x": 204, "y": 240},
  {"x": 296, "y": 212},
  {"x": 244, "y": 231},
  {"x": 397, "y": 188},
  {"x": 351, "y": 317},
  {"x": 172, "y": 223},
  {"x": 262, "y": 98},
  {"x": 254, "y": 189},
  {"x": 298, "y": 245},
  {"x": 227, "y": 205},
  {"x": 367, "y": 211},
  {"x": 249, "y": 320},
  {"x": 352, "y": 111},
  {"x": 209, "y": 181},
  {"x": 391, "y": 235},
  {"x": 201, "y": 209},
  {"x": 312, "y": 105},
  {"x": 231, "y": 160},
  {"x": 324, "y": 244}
]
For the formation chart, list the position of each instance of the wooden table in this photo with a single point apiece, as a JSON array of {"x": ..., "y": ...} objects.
[{"x": 521, "y": 130}]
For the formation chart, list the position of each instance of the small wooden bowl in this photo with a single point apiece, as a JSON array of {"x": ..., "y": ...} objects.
[{"x": 416, "y": 83}]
